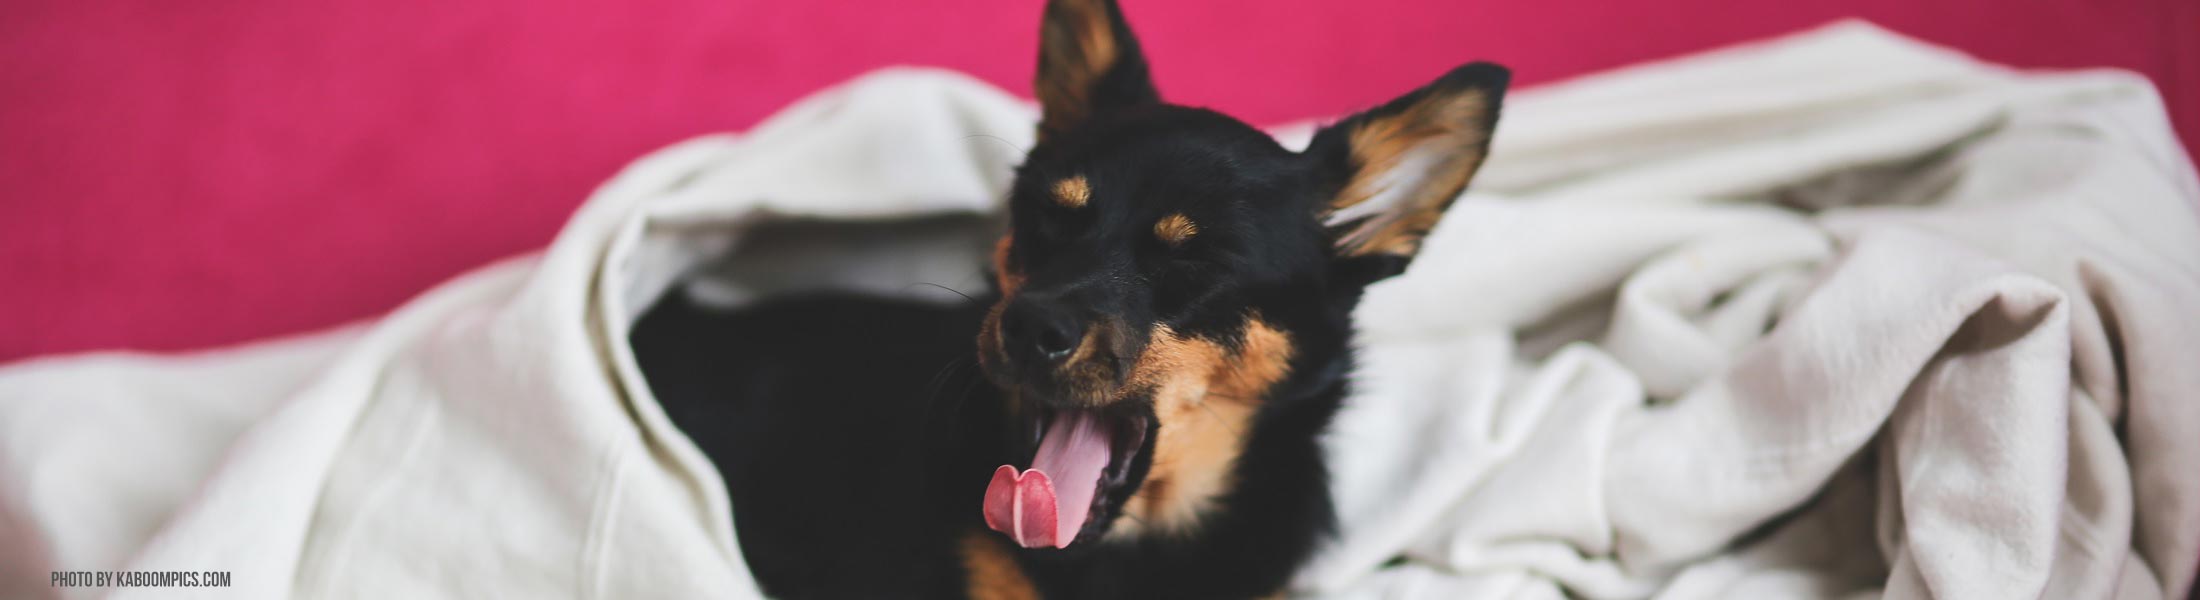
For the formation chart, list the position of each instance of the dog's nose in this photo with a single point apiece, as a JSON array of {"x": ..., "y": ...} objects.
[{"x": 1045, "y": 331}]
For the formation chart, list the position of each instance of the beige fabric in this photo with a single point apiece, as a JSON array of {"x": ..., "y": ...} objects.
[
  {"x": 1979, "y": 380},
  {"x": 1838, "y": 315}
]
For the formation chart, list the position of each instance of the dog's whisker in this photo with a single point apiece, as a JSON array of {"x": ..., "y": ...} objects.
[
  {"x": 932, "y": 398},
  {"x": 949, "y": 289},
  {"x": 932, "y": 387},
  {"x": 965, "y": 394},
  {"x": 1218, "y": 419},
  {"x": 939, "y": 377},
  {"x": 1020, "y": 151}
]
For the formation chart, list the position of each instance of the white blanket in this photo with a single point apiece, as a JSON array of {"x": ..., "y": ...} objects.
[{"x": 1837, "y": 315}]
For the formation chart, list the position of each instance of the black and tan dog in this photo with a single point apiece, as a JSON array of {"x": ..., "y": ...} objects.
[{"x": 1167, "y": 340}]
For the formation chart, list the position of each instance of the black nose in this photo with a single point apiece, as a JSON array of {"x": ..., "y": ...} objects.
[{"x": 1040, "y": 330}]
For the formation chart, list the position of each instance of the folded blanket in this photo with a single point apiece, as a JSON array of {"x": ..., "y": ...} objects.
[{"x": 1836, "y": 315}]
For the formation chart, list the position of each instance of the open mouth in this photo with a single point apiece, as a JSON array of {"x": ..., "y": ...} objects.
[{"x": 1086, "y": 465}]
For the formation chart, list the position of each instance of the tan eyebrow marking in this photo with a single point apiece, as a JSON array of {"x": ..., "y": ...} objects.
[
  {"x": 1174, "y": 229},
  {"x": 1072, "y": 192}
]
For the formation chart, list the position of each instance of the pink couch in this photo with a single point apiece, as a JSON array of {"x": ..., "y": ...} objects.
[{"x": 182, "y": 174}]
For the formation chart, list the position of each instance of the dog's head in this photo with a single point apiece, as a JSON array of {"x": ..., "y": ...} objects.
[{"x": 1168, "y": 268}]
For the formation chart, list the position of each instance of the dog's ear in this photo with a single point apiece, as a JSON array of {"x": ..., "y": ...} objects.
[
  {"x": 1390, "y": 172},
  {"x": 1088, "y": 62}
]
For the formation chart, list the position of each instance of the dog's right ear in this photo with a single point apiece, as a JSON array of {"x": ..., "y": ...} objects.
[
  {"x": 1395, "y": 168},
  {"x": 1088, "y": 63}
]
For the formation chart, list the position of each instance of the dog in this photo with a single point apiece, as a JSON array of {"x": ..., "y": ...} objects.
[{"x": 1168, "y": 337}]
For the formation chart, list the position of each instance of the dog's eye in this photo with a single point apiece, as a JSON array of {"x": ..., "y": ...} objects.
[
  {"x": 1185, "y": 281},
  {"x": 1048, "y": 226},
  {"x": 1043, "y": 235},
  {"x": 1057, "y": 227}
]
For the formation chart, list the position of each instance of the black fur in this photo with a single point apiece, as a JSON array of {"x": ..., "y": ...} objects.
[{"x": 805, "y": 438}]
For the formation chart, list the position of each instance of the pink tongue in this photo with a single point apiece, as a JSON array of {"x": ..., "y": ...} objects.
[{"x": 1047, "y": 505}]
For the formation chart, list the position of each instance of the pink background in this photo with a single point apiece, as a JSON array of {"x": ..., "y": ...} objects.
[{"x": 181, "y": 174}]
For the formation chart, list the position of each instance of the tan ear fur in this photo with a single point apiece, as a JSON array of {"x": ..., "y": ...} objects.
[
  {"x": 1405, "y": 162},
  {"x": 1088, "y": 61}
]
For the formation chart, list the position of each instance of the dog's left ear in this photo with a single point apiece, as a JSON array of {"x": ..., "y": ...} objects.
[
  {"x": 1088, "y": 63},
  {"x": 1392, "y": 171}
]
